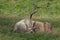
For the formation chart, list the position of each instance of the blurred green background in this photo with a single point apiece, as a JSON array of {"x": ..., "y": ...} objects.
[{"x": 12, "y": 11}]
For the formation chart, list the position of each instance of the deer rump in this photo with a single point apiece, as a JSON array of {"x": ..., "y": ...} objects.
[{"x": 23, "y": 26}]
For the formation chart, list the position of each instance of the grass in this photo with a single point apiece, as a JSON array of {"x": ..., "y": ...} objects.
[{"x": 12, "y": 11}]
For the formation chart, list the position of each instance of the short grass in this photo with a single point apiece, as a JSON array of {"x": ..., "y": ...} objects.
[{"x": 12, "y": 11}]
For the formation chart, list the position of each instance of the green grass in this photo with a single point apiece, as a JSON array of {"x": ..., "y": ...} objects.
[
  {"x": 12, "y": 11},
  {"x": 19, "y": 36}
]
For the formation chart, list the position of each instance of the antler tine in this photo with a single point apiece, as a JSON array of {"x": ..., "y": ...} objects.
[
  {"x": 34, "y": 11},
  {"x": 36, "y": 6}
]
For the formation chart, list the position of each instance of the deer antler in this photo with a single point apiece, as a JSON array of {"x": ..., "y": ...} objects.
[{"x": 34, "y": 11}]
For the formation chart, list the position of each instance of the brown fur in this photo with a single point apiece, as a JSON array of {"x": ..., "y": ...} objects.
[
  {"x": 48, "y": 27},
  {"x": 39, "y": 27},
  {"x": 42, "y": 27}
]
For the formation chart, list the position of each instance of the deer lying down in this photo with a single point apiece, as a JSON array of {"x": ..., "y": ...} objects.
[
  {"x": 28, "y": 26},
  {"x": 37, "y": 27},
  {"x": 25, "y": 25}
]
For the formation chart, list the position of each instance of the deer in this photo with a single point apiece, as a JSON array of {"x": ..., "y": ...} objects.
[
  {"x": 30, "y": 26},
  {"x": 25, "y": 25}
]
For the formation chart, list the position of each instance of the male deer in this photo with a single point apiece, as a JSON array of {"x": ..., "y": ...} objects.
[{"x": 27, "y": 25}]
